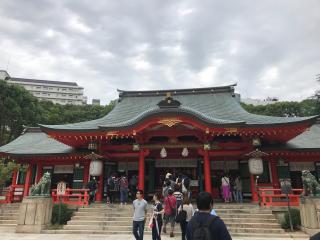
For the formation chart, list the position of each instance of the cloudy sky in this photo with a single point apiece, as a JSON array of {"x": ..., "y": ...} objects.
[{"x": 269, "y": 49}]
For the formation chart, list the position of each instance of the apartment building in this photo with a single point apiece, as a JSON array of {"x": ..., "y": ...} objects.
[{"x": 54, "y": 91}]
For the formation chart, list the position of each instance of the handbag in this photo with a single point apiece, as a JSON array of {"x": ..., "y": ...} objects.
[{"x": 182, "y": 215}]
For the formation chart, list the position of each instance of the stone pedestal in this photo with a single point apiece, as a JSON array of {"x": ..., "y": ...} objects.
[
  {"x": 34, "y": 214},
  {"x": 310, "y": 214}
]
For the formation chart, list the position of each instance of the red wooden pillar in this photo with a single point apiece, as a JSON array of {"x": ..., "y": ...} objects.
[
  {"x": 39, "y": 172},
  {"x": 253, "y": 189},
  {"x": 274, "y": 172},
  {"x": 85, "y": 174},
  {"x": 14, "y": 178},
  {"x": 100, "y": 188},
  {"x": 207, "y": 172},
  {"x": 141, "y": 170},
  {"x": 27, "y": 182}
]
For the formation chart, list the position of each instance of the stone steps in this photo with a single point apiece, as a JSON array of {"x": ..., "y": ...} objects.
[
  {"x": 242, "y": 221},
  {"x": 251, "y": 236},
  {"x": 9, "y": 214},
  {"x": 128, "y": 222},
  {"x": 116, "y": 228},
  {"x": 6, "y": 221},
  {"x": 102, "y": 215}
]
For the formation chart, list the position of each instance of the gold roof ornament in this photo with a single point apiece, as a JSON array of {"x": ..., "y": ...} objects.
[{"x": 170, "y": 122}]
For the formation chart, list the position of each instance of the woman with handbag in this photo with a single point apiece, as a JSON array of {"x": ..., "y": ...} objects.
[
  {"x": 156, "y": 220},
  {"x": 185, "y": 213}
]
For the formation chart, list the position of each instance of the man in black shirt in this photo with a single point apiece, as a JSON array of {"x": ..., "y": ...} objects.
[{"x": 205, "y": 226}]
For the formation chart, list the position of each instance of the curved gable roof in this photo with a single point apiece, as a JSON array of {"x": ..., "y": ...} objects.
[
  {"x": 35, "y": 142},
  {"x": 217, "y": 106}
]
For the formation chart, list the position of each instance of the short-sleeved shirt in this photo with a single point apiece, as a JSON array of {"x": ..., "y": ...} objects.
[
  {"x": 158, "y": 208},
  {"x": 169, "y": 203},
  {"x": 140, "y": 207},
  {"x": 218, "y": 230}
]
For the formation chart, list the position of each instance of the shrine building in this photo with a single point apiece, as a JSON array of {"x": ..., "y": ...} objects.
[{"x": 199, "y": 132}]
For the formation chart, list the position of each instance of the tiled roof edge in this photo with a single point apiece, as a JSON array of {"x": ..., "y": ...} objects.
[{"x": 222, "y": 89}]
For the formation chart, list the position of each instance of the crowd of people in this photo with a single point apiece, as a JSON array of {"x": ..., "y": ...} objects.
[
  {"x": 202, "y": 223},
  {"x": 115, "y": 188},
  {"x": 231, "y": 188}
]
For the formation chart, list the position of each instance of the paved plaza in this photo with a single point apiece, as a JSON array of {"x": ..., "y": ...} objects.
[{"x": 15, "y": 236}]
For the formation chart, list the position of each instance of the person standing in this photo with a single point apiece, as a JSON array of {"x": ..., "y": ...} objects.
[
  {"x": 92, "y": 186},
  {"x": 225, "y": 184},
  {"x": 133, "y": 186},
  {"x": 123, "y": 190},
  {"x": 111, "y": 189},
  {"x": 187, "y": 206},
  {"x": 140, "y": 207},
  {"x": 156, "y": 218},
  {"x": 178, "y": 195},
  {"x": 238, "y": 188},
  {"x": 203, "y": 225},
  {"x": 170, "y": 212}
]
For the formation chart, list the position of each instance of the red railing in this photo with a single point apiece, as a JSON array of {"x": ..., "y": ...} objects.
[
  {"x": 274, "y": 197},
  {"x": 78, "y": 197},
  {"x": 13, "y": 193}
]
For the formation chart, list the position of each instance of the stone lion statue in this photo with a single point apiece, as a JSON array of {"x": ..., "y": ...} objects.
[
  {"x": 42, "y": 188},
  {"x": 311, "y": 187}
]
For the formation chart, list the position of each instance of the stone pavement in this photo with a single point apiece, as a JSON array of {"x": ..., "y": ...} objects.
[{"x": 18, "y": 236}]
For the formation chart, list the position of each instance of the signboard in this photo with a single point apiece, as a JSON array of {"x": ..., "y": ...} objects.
[
  {"x": 63, "y": 169},
  {"x": 194, "y": 183},
  {"x": 176, "y": 163},
  {"x": 285, "y": 185},
  {"x": 61, "y": 188}
]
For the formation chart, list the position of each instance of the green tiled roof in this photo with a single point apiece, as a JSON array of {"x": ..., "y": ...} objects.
[
  {"x": 307, "y": 140},
  {"x": 35, "y": 142},
  {"x": 213, "y": 106}
]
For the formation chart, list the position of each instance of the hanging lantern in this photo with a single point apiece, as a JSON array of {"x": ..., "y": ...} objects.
[
  {"x": 206, "y": 146},
  {"x": 96, "y": 168},
  {"x": 92, "y": 145},
  {"x": 185, "y": 152},
  {"x": 256, "y": 142},
  {"x": 163, "y": 153},
  {"x": 135, "y": 147},
  {"x": 256, "y": 165}
]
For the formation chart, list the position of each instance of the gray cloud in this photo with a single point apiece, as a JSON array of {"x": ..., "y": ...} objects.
[{"x": 269, "y": 49}]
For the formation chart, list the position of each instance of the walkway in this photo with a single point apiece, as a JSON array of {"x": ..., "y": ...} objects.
[{"x": 15, "y": 236}]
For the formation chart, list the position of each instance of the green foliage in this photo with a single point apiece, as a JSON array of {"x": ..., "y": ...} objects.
[
  {"x": 304, "y": 108},
  {"x": 19, "y": 108},
  {"x": 295, "y": 216},
  {"x": 66, "y": 214},
  {"x": 6, "y": 169}
]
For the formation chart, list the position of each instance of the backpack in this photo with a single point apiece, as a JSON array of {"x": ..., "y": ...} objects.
[
  {"x": 181, "y": 216},
  {"x": 111, "y": 183},
  {"x": 173, "y": 210},
  {"x": 201, "y": 230},
  {"x": 124, "y": 183}
]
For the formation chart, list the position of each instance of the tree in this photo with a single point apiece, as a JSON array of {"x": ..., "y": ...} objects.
[
  {"x": 17, "y": 108},
  {"x": 6, "y": 169},
  {"x": 304, "y": 108}
]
